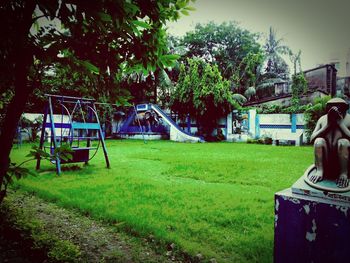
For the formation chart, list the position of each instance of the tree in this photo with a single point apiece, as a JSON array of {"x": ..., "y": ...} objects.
[
  {"x": 234, "y": 50},
  {"x": 299, "y": 82},
  {"x": 105, "y": 38},
  {"x": 203, "y": 93},
  {"x": 296, "y": 60},
  {"x": 313, "y": 113},
  {"x": 276, "y": 67},
  {"x": 165, "y": 89},
  {"x": 299, "y": 87}
]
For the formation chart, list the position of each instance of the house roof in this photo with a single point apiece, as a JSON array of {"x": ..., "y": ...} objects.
[
  {"x": 319, "y": 67},
  {"x": 283, "y": 96}
]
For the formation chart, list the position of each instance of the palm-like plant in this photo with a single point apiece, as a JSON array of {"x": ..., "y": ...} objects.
[
  {"x": 274, "y": 49},
  {"x": 239, "y": 98},
  {"x": 250, "y": 92}
]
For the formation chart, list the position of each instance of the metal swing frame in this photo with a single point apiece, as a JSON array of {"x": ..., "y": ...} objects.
[{"x": 79, "y": 154}]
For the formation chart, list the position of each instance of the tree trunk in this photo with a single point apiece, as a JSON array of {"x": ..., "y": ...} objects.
[
  {"x": 9, "y": 126},
  {"x": 23, "y": 58}
]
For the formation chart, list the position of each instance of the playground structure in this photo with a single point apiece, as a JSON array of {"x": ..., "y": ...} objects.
[
  {"x": 150, "y": 119},
  {"x": 78, "y": 127}
]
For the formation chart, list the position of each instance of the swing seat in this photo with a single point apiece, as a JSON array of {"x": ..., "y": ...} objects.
[{"x": 79, "y": 155}]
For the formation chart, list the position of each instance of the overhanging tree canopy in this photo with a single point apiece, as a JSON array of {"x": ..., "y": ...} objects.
[
  {"x": 203, "y": 93},
  {"x": 107, "y": 38}
]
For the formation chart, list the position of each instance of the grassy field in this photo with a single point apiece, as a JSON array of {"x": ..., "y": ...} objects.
[{"x": 216, "y": 199}]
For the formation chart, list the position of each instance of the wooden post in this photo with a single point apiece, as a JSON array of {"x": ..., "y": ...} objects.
[
  {"x": 101, "y": 138},
  {"x": 42, "y": 136},
  {"x": 53, "y": 137}
]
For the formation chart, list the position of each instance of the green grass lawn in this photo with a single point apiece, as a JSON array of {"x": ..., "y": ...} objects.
[{"x": 216, "y": 199}]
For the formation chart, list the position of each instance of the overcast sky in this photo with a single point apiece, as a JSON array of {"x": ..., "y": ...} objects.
[{"x": 319, "y": 28}]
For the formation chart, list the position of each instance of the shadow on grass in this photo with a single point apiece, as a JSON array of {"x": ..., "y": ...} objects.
[{"x": 65, "y": 168}]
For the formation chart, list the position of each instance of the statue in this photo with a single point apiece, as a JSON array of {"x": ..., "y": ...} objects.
[{"x": 331, "y": 146}]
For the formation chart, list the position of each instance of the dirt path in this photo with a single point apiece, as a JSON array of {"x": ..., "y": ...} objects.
[{"x": 33, "y": 230}]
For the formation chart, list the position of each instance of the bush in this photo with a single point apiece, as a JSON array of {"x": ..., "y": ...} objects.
[
  {"x": 269, "y": 109},
  {"x": 262, "y": 140},
  {"x": 252, "y": 141},
  {"x": 267, "y": 140},
  {"x": 313, "y": 113}
]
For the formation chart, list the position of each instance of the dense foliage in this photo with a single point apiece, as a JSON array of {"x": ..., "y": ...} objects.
[
  {"x": 313, "y": 113},
  {"x": 202, "y": 92},
  {"x": 234, "y": 50},
  {"x": 275, "y": 108},
  {"x": 299, "y": 87}
]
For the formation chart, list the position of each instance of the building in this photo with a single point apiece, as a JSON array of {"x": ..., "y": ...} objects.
[
  {"x": 322, "y": 78},
  {"x": 321, "y": 81},
  {"x": 342, "y": 64}
]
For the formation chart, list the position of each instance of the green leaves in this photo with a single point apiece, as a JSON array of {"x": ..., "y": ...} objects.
[
  {"x": 233, "y": 49},
  {"x": 190, "y": 8},
  {"x": 131, "y": 8},
  {"x": 17, "y": 171},
  {"x": 313, "y": 113},
  {"x": 37, "y": 153},
  {"x": 185, "y": 12},
  {"x": 64, "y": 152},
  {"x": 169, "y": 60},
  {"x": 105, "y": 17},
  {"x": 299, "y": 86},
  {"x": 181, "y": 4},
  {"x": 239, "y": 98},
  {"x": 141, "y": 24},
  {"x": 89, "y": 66}
]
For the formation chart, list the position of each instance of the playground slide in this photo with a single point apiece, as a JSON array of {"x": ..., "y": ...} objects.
[
  {"x": 176, "y": 133},
  {"x": 128, "y": 121}
]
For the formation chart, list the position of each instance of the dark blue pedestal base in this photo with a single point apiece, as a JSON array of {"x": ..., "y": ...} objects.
[{"x": 311, "y": 229}]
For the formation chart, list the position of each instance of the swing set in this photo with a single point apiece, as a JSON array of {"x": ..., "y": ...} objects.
[{"x": 78, "y": 127}]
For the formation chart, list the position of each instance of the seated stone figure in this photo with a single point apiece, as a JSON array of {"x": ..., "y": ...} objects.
[{"x": 331, "y": 144}]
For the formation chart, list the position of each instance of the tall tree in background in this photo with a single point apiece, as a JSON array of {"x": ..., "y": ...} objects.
[
  {"x": 299, "y": 82},
  {"x": 234, "y": 50},
  {"x": 106, "y": 38},
  {"x": 276, "y": 67}
]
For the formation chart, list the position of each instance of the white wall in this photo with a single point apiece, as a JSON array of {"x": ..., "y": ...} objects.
[
  {"x": 275, "y": 126},
  {"x": 280, "y": 126}
]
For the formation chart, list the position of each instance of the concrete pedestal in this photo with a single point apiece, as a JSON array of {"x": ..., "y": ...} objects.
[{"x": 311, "y": 226}]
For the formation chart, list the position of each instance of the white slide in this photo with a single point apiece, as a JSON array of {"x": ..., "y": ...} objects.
[{"x": 176, "y": 133}]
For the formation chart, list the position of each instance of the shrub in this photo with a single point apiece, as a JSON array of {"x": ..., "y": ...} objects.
[
  {"x": 313, "y": 113},
  {"x": 262, "y": 140}
]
